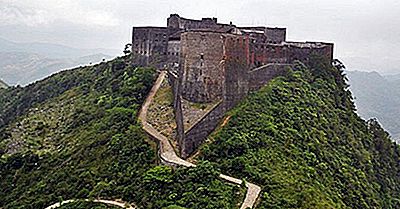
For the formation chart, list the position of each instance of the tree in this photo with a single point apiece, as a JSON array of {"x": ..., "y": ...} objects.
[{"x": 127, "y": 49}]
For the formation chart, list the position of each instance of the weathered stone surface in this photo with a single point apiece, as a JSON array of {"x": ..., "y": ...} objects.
[
  {"x": 196, "y": 134},
  {"x": 161, "y": 46},
  {"x": 202, "y": 73},
  {"x": 216, "y": 63}
]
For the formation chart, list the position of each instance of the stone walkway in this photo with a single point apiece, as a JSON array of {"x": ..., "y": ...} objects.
[
  {"x": 169, "y": 157},
  {"x": 108, "y": 202}
]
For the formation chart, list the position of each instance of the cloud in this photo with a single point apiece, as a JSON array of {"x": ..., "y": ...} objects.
[
  {"x": 46, "y": 12},
  {"x": 359, "y": 28},
  {"x": 10, "y": 15}
]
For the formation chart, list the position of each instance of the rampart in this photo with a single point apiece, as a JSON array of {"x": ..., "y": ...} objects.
[
  {"x": 202, "y": 73},
  {"x": 210, "y": 62}
]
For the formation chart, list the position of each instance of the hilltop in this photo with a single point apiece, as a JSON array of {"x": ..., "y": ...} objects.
[
  {"x": 75, "y": 135},
  {"x": 299, "y": 138}
]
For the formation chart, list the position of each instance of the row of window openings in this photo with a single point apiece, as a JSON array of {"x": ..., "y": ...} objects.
[
  {"x": 164, "y": 41},
  {"x": 165, "y": 53},
  {"x": 255, "y": 41},
  {"x": 265, "y": 42},
  {"x": 163, "y": 35}
]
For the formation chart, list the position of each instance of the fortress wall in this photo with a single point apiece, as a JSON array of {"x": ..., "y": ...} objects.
[
  {"x": 275, "y": 35},
  {"x": 200, "y": 63},
  {"x": 175, "y": 21},
  {"x": 198, "y": 133},
  {"x": 237, "y": 87},
  {"x": 237, "y": 64},
  {"x": 303, "y": 53},
  {"x": 265, "y": 35},
  {"x": 259, "y": 77},
  {"x": 150, "y": 45},
  {"x": 262, "y": 54},
  {"x": 268, "y": 53},
  {"x": 173, "y": 51},
  {"x": 174, "y": 81}
]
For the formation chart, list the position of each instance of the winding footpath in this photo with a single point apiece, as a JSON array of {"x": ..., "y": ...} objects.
[
  {"x": 108, "y": 202},
  {"x": 168, "y": 155}
]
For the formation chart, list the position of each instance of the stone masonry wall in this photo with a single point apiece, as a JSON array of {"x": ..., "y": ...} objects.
[
  {"x": 175, "y": 85},
  {"x": 200, "y": 64},
  {"x": 237, "y": 65},
  {"x": 175, "y": 21},
  {"x": 174, "y": 50},
  {"x": 149, "y": 45},
  {"x": 198, "y": 133},
  {"x": 259, "y": 77},
  {"x": 213, "y": 62},
  {"x": 275, "y": 35},
  {"x": 256, "y": 79}
]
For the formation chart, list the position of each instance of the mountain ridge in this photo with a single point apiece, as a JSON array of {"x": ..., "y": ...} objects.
[
  {"x": 51, "y": 50},
  {"x": 377, "y": 96}
]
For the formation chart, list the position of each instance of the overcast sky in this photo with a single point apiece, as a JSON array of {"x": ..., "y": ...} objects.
[{"x": 366, "y": 33}]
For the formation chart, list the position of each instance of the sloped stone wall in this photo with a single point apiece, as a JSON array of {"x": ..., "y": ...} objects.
[{"x": 199, "y": 132}]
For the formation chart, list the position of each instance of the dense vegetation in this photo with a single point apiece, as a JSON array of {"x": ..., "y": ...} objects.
[
  {"x": 378, "y": 97},
  {"x": 301, "y": 140},
  {"x": 76, "y": 135}
]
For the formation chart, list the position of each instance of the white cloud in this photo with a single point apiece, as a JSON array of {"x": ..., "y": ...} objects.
[
  {"x": 10, "y": 15},
  {"x": 44, "y": 12}
]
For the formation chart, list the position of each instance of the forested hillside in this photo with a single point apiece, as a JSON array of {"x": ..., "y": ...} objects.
[
  {"x": 301, "y": 140},
  {"x": 76, "y": 135}
]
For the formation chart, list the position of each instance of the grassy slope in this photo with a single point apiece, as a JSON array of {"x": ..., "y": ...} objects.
[
  {"x": 75, "y": 135},
  {"x": 301, "y": 140}
]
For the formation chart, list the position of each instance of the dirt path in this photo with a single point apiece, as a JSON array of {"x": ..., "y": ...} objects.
[
  {"x": 108, "y": 202},
  {"x": 168, "y": 155}
]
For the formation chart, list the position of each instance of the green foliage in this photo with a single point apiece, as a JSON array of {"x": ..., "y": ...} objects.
[
  {"x": 300, "y": 139},
  {"x": 95, "y": 150},
  {"x": 188, "y": 187},
  {"x": 75, "y": 135}
]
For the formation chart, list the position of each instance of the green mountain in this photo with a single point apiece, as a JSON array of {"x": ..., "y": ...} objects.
[
  {"x": 378, "y": 97},
  {"x": 301, "y": 140},
  {"x": 49, "y": 50},
  {"x": 76, "y": 135}
]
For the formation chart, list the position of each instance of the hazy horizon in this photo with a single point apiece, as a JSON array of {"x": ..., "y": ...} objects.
[{"x": 365, "y": 32}]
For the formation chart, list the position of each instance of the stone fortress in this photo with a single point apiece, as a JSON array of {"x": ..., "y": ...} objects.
[{"x": 216, "y": 64}]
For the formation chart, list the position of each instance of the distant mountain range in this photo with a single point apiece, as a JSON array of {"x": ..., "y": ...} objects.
[
  {"x": 377, "y": 96},
  {"x": 52, "y": 50},
  {"x": 23, "y": 63}
]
